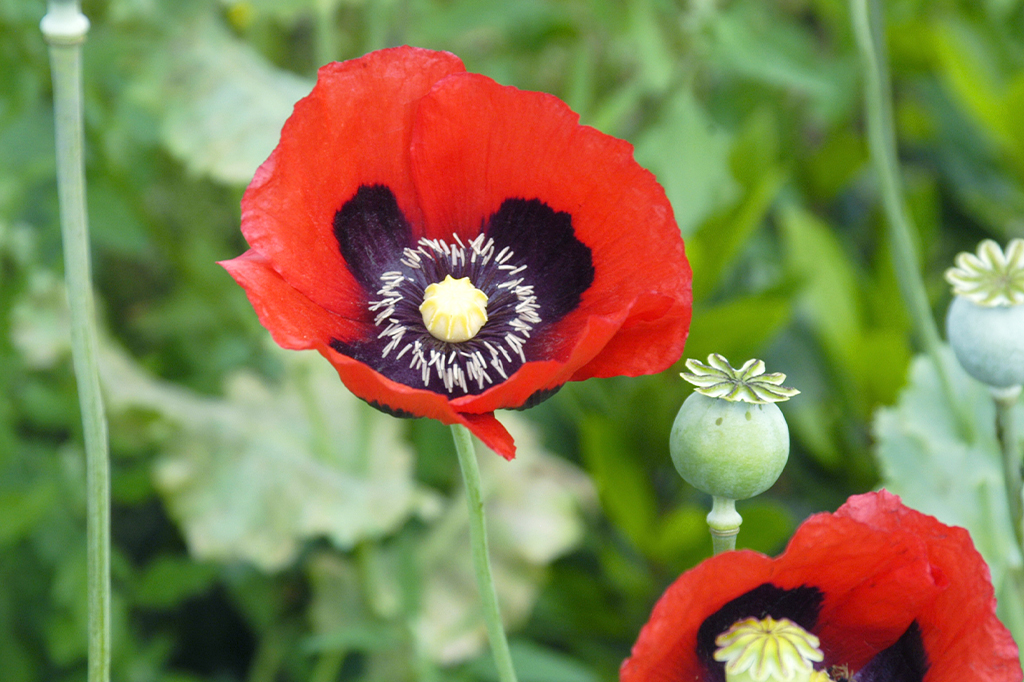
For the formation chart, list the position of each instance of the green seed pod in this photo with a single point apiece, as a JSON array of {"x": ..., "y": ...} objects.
[
  {"x": 985, "y": 324},
  {"x": 988, "y": 341},
  {"x": 729, "y": 439},
  {"x": 729, "y": 449}
]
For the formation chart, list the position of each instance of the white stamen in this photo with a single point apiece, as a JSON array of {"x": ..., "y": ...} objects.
[{"x": 456, "y": 366}]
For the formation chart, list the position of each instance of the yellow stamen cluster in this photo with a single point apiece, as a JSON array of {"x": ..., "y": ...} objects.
[
  {"x": 454, "y": 310},
  {"x": 769, "y": 650}
]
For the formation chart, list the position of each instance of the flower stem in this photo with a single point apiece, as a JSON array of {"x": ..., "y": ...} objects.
[
  {"x": 481, "y": 560},
  {"x": 868, "y": 28},
  {"x": 64, "y": 28},
  {"x": 325, "y": 32},
  {"x": 1009, "y": 442},
  {"x": 724, "y": 523}
]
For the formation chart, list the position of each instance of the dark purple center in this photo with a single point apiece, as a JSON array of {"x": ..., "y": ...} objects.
[
  {"x": 526, "y": 259},
  {"x": 904, "y": 661}
]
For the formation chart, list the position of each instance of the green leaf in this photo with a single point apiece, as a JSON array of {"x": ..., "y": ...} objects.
[
  {"x": 834, "y": 164},
  {"x": 971, "y": 73},
  {"x": 622, "y": 484},
  {"x": 681, "y": 533},
  {"x": 690, "y": 157},
  {"x": 167, "y": 580},
  {"x": 40, "y": 324},
  {"x": 722, "y": 237},
  {"x": 536, "y": 663},
  {"x": 756, "y": 147},
  {"x": 755, "y": 41},
  {"x": 254, "y": 475},
  {"x": 358, "y": 637},
  {"x": 221, "y": 104},
  {"x": 830, "y": 298},
  {"x": 21, "y": 510},
  {"x": 739, "y": 328},
  {"x": 533, "y": 507},
  {"x": 880, "y": 364},
  {"x": 766, "y": 526},
  {"x": 656, "y": 59},
  {"x": 870, "y": 360},
  {"x": 925, "y": 461}
]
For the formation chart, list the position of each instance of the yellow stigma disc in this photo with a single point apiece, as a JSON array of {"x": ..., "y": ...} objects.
[
  {"x": 769, "y": 650},
  {"x": 454, "y": 310}
]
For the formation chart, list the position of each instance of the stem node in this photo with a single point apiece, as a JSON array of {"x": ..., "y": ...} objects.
[
  {"x": 724, "y": 523},
  {"x": 64, "y": 24}
]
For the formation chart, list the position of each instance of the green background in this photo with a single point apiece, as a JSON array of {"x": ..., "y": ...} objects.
[{"x": 267, "y": 526}]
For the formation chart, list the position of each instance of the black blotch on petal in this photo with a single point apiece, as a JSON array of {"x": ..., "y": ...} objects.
[
  {"x": 372, "y": 233},
  {"x": 369, "y": 350},
  {"x": 538, "y": 397},
  {"x": 800, "y": 605},
  {"x": 904, "y": 661},
  {"x": 393, "y": 411},
  {"x": 559, "y": 266},
  {"x": 358, "y": 351}
]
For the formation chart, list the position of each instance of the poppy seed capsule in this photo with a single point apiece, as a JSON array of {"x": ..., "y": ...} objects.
[
  {"x": 985, "y": 324},
  {"x": 729, "y": 449},
  {"x": 988, "y": 341}
]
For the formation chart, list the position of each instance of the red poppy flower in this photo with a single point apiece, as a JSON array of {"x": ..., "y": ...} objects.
[
  {"x": 893, "y": 595},
  {"x": 400, "y": 169}
]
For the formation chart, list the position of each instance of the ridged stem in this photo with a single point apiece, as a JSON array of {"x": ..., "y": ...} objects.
[
  {"x": 868, "y": 29},
  {"x": 64, "y": 28},
  {"x": 481, "y": 559},
  {"x": 724, "y": 523}
]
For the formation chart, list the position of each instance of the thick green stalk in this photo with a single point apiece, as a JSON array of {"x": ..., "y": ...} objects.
[
  {"x": 64, "y": 27},
  {"x": 481, "y": 559},
  {"x": 724, "y": 523},
  {"x": 868, "y": 29},
  {"x": 1009, "y": 443}
]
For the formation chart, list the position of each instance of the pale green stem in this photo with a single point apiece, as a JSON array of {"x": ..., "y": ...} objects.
[
  {"x": 64, "y": 28},
  {"x": 325, "y": 32},
  {"x": 481, "y": 559},
  {"x": 868, "y": 30},
  {"x": 724, "y": 523},
  {"x": 1009, "y": 442}
]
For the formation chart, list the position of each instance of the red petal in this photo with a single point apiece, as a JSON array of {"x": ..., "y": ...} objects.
[
  {"x": 485, "y": 143},
  {"x": 297, "y": 323},
  {"x": 962, "y": 636},
  {"x": 293, "y": 320},
  {"x": 880, "y": 565},
  {"x": 354, "y": 129},
  {"x": 649, "y": 341},
  {"x": 490, "y": 431},
  {"x": 538, "y": 376},
  {"x": 666, "y": 650},
  {"x": 875, "y": 584},
  {"x": 377, "y": 389}
]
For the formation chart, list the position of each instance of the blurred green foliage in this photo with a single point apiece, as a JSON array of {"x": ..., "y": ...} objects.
[{"x": 267, "y": 526}]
